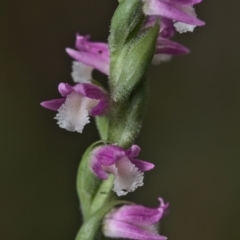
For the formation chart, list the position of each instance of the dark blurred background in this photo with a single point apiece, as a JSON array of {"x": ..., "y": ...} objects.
[{"x": 191, "y": 130}]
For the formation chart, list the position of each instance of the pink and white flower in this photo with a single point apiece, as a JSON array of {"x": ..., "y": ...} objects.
[
  {"x": 93, "y": 54},
  {"x": 77, "y": 103},
  {"x": 180, "y": 12},
  {"x": 134, "y": 222},
  {"x": 128, "y": 171}
]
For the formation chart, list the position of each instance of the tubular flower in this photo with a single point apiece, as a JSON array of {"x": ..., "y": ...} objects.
[
  {"x": 128, "y": 171},
  {"x": 181, "y": 12},
  {"x": 77, "y": 103},
  {"x": 93, "y": 54},
  {"x": 134, "y": 222}
]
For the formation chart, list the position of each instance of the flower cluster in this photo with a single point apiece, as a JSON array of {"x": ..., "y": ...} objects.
[
  {"x": 87, "y": 98},
  {"x": 175, "y": 15}
]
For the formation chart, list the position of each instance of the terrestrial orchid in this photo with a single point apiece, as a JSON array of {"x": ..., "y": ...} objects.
[
  {"x": 77, "y": 103},
  {"x": 140, "y": 34},
  {"x": 128, "y": 171},
  {"x": 134, "y": 222},
  {"x": 181, "y": 12}
]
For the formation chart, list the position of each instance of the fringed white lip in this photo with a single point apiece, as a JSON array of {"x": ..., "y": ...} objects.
[
  {"x": 73, "y": 115},
  {"x": 127, "y": 176},
  {"x": 184, "y": 27},
  {"x": 81, "y": 73}
]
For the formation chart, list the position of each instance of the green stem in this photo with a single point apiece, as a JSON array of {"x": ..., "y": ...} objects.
[
  {"x": 104, "y": 194},
  {"x": 131, "y": 52}
]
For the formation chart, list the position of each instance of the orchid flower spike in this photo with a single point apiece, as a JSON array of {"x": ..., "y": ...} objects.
[
  {"x": 76, "y": 104},
  {"x": 134, "y": 222},
  {"x": 181, "y": 12},
  {"x": 92, "y": 54},
  {"x": 128, "y": 171}
]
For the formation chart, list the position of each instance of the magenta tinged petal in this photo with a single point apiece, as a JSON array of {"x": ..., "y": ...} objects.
[
  {"x": 82, "y": 43},
  {"x": 163, "y": 205},
  {"x": 65, "y": 89},
  {"x": 170, "y": 47},
  {"x": 104, "y": 156},
  {"x": 93, "y": 60},
  {"x": 170, "y": 11},
  {"x": 97, "y": 168},
  {"x": 133, "y": 151},
  {"x": 167, "y": 30},
  {"x": 101, "y": 107},
  {"x": 137, "y": 214},
  {"x": 142, "y": 165},
  {"x": 117, "y": 229},
  {"x": 134, "y": 222},
  {"x": 109, "y": 154},
  {"x": 89, "y": 90},
  {"x": 185, "y": 2},
  {"x": 53, "y": 104}
]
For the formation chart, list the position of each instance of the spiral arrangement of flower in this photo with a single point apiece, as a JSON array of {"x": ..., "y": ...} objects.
[{"x": 140, "y": 35}]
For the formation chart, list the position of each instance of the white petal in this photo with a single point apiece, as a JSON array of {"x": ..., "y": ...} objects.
[
  {"x": 161, "y": 57},
  {"x": 73, "y": 114},
  {"x": 127, "y": 177},
  {"x": 183, "y": 27},
  {"x": 81, "y": 73}
]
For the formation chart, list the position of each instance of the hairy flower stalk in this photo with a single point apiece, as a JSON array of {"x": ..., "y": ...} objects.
[{"x": 140, "y": 35}]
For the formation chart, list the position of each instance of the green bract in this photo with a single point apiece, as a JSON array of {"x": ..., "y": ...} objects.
[
  {"x": 131, "y": 48},
  {"x": 89, "y": 187},
  {"x": 126, "y": 118},
  {"x": 127, "y": 17},
  {"x": 90, "y": 229},
  {"x": 131, "y": 51}
]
